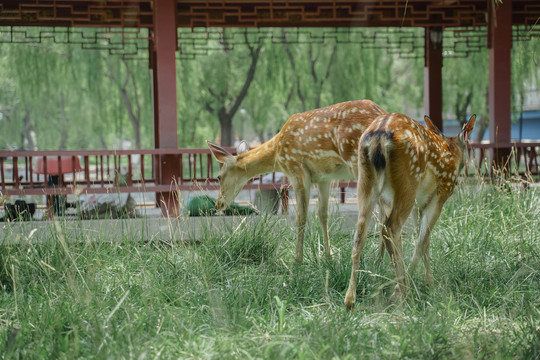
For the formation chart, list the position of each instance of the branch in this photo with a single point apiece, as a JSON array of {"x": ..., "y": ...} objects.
[
  {"x": 209, "y": 108},
  {"x": 127, "y": 102},
  {"x": 293, "y": 67},
  {"x": 312, "y": 64},
  {"x": 213, "y": 93},
  {"x": 249, "y": 79},
  {"x": 289, "y": 97},
  {"x": 134, "y": 84},
  {"x": 330, "y": 62}
]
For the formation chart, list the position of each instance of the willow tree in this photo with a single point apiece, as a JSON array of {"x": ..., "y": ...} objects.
[
  {"x": 226, "y": 78},
  {"x": 265, "y": 108},
  {"x": 131, "y": 81},
  {"x": 310, "y": 65},
  {"x": 525, "y": 71},
  {"x": 466, "y": 82},
  {"x": 41, "y": 84},
  {"x": 465, "y": 88}
]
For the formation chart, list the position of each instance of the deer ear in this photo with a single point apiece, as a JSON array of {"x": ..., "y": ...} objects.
[
  {"x": 431, "y": 126},
  {"x": 241, "y": 148},
  {"x": 467, "y": 128},
  {"x": 220, "y": 153}
]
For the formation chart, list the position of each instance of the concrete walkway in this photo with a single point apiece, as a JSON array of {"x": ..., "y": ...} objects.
[{"x": 152, "y": 226}]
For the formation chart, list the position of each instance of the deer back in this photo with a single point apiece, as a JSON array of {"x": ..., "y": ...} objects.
[
  {"x": 421, "y": 155},
  {"x": 326, "y": 140}
]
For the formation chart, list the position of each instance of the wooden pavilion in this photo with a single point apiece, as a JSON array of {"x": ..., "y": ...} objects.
[{"x": 162, "y": 18}]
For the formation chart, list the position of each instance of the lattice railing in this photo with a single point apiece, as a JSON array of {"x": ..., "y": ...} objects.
[
  {"x": 407, "y": 42},
  {"x": 20, "y": 173},
  {"x": 97, "y": 171},
  {"x": 130, "y": 43}
]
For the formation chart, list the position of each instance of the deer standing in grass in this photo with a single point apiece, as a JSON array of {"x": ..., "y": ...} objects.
[
  {"x": 313, "y": 147},
  {"x": 404, "y": 164}
]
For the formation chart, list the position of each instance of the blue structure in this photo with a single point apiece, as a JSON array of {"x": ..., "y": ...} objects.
[{"x": 526, "y": 128}]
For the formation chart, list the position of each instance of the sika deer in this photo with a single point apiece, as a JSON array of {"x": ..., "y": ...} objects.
[
  {"x": 313, "y": 147},
  {"x": 405, "y": 164}
]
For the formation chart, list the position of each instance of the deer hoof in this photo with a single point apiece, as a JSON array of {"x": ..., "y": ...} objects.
[{"x": 349, "y": 302}]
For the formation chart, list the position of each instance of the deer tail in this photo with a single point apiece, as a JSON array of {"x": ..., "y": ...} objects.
[{"x": 377, "y": 146}]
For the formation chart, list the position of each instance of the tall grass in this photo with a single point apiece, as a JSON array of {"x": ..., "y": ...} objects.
[{"x": 237, "y": 294}]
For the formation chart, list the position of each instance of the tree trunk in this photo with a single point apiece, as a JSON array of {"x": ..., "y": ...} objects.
[
  {"x": 133, "y": 107},
  {"x": 27, "y": 131},
  {"x": 225, "y": 114},
  {"x": 134, "y": 119},
  {"x": 63, "y": 134},
  {"x": 463, "y": 102},
  {"x": 296, "y": 83},
  {"x": 482, "y": 124},
  {"x": 225, "y": 122}
]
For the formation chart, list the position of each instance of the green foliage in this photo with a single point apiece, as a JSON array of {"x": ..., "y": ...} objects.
[
  {"x": 237, "y": 293},
  {"x": 62, "y": 93},
  {"x": 53, "y": 96}
]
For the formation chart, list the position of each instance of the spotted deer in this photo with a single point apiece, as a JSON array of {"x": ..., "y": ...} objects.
[
  {"x": 313, "y": 147},
  {"x": 404, "y": 164}
]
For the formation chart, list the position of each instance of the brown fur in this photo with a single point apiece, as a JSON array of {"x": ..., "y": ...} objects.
[
  {"x": 421, "y": 168},
  {"x": 314, "y": 147}
]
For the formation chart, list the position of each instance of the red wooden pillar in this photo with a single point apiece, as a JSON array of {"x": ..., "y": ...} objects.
[
  {"x": 433, "y": 62},
  {"x": 500, "y": 46},
  {"x": 162, "y": 59}
]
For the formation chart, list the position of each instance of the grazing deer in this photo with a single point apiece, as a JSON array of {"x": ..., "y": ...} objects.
[
  {"x": 404, "y": 164},
  {"x": 313, "y": 147}
]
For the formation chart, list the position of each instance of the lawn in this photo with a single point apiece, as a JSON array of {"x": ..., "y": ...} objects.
[{"x": 237, "y": 295}]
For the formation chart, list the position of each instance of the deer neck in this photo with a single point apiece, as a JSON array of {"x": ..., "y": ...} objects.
[{"x": 260, "y": 160}]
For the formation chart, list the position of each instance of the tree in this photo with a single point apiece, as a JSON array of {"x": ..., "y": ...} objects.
[
  {"x": 311, "y": 65},
  {"x": 465, "y": 89},
  {"x": 121, "y": 73},
  {"x": 225, "y": 92}
]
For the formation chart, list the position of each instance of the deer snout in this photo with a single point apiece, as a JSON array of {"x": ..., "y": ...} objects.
[{"x": 221, "y": 204}]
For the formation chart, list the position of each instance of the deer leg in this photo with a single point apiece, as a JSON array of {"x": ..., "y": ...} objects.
[
  {"x": 384, "y": 212},
  {"x": 391, "y": 235},
  {"x": 365, "y": 208},
  {"x": 430, "y": 215},
  {"x": 301, "y": 191},
  {"x": 324, "y": 194}
]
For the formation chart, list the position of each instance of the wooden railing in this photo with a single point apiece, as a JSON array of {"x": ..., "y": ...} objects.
[
  {"x": 522, "y": 161},
  {"x": 99, "y": 169}
]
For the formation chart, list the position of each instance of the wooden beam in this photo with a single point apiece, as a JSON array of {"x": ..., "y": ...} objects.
[
  {"x": 499, "y": 99},
  {"x": 433, "y": 62},
  {"x": 163, "y": 62}
]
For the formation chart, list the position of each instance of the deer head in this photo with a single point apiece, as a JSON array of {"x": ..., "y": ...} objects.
[
  {"x": 460, "y": 140},
  {"x": 231, "y": 177}
]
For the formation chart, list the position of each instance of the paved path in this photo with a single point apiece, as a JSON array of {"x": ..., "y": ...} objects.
[{"x": 152, "y": 226}]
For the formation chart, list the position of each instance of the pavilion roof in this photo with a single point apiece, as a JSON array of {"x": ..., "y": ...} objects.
[{"x": 258, "y": 13}]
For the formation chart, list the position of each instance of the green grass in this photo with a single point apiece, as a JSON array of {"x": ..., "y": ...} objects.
[{"x": 236, "y": 294}]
